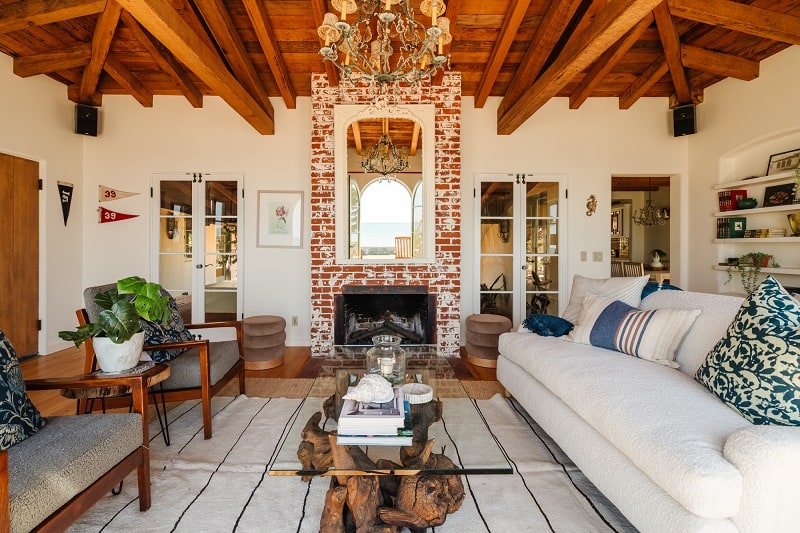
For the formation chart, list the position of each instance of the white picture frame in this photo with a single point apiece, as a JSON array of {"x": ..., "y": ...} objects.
[{"x": 280, "y": 219}]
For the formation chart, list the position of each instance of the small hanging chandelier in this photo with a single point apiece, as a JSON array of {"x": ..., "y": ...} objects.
[
  {"x": 363, "y": 50},
  {"x": 650, "y": 215},
  {"x": 385, "y": 158}
]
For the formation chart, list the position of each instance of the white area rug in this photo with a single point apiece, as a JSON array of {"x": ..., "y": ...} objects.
[{"x": 222, "y": 484}]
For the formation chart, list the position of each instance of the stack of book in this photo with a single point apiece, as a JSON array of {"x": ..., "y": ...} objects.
[
  {"x": 729, "y": 198},
  {"x": 376, "y": 424},
  {"x": 765, "y": 233}
]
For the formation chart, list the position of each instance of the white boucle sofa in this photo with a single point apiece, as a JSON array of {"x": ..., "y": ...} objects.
[{"x": 668, "y": 453}]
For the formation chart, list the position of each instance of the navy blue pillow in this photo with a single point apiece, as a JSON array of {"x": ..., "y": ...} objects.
[
  {"x": 547, "y": 325},
  {"x": 653, "y": 286}
]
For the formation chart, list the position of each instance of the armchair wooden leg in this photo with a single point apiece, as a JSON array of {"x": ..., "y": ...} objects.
[
  {"x": 241, "y": 377},
  {"x": 205, "y": 390}
]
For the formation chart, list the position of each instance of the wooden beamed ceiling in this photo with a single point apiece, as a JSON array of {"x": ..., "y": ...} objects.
[{"x": 524, "y": 51}]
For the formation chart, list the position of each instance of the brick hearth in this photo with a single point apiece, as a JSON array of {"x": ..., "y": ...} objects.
[{"x": 443, "y": 276}]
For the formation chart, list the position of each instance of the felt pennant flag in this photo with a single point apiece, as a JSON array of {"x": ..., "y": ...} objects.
[
  {"x": 107, "y": 194},
  {"x": 107, "y": 215},
  {"x": 65, "y": 193}
]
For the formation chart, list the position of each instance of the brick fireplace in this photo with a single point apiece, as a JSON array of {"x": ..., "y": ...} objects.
[{"x": 442, "y": 277}]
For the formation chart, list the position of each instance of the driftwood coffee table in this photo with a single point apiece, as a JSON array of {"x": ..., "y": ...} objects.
[{"x": 385, "y": 488}]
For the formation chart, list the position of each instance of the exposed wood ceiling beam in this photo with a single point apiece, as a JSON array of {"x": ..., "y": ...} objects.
[
  {"x": 671, "y": 42},
  {"x": 654, "y": 72},
  {"x": 719, "y": 63},
  {"x": 740, "y": 17},
  {"x": 257, "y": 12},
  {"x": 25, "y": 13},
  {"x": 320, "y": 7},
  {"x": 511, "y": 22},
  {"x": 221, "y": 26},
  {"x": 544, "y": 41},
  {"x": 594, "y": 76},
  {"x": 611, "y": 23},
  {"x": 128, "y": 81},
  {"x": 52, "y": 61},
  {"x": 166, "y": 61},
  {"x": 101, "y": 44},
  {"x": 357, "y": 137},
  {"x": 166, "y": 25}
]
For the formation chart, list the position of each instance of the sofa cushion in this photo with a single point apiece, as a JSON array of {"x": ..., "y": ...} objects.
[
  {"x": 653, "y": 335},
  {"x": 666, "y": 423},
  {"x": 184, "y": 371},
  {"x": 19, "y": 418},
  {"x": 755, "y": 367},
  {"x": 628, "y": 290}
]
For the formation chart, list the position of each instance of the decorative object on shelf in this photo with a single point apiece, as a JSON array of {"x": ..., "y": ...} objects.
[
  {"x": 796, "y": 188},
  {"x": 749, "y": 266},
  {"x": 387, "y": 358},
  {"x": 794, "y": 223},
  {"x": 657, "y": 255},
  {"x": 386, "y": 43},
  {"x": 746, "y": 203},
  {"x": 118, "y": 324},
  {"x": 385, "y": 158},
  {"x": 783, "y": 161},
  {"x": 779, "y": 195},
  {"x": 650, "y": 215},
  {"x": 591, "y": 205}
]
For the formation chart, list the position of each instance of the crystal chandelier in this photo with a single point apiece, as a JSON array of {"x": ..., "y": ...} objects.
[
  {"x": 650, "y": 215},
  {"x": 364, "y": 50},
  {"x": 385, "y": 158}
]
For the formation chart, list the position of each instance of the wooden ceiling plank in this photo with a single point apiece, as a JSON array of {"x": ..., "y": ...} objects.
[
  {"x": 544, "y": 41},
  {"x": 257, "y": 12},
  {"x": 671, "y": 42},
  {"x": 718, "y": 63},
  {"x": 611, "y": 23},
  {"x": 606, "y": 63},
  {"x": 740, "y": 17},
  {"x": 52, "y": 61},
  {"x": 229, "y": 41},
  {"x": 357, "y": 137},
  {"x": 166, "y": 25},
  {"x": 166, "y": 61},
  {"x": 25, "y": 13},
  {"x": 654, "y": 72},
  {"x": 320, "y": 7},
  {"x": 101, "y": 44},
  {"x": 123, "y": 76},
  {"x": 511, "y": 22}
]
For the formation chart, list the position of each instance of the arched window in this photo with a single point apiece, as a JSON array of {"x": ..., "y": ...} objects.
[{"x": 385, "y": 214}]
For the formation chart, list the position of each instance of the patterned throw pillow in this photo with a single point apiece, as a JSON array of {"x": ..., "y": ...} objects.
[
  {"x": 173, "y": 331},
  {"x": 547, "y": 325},
  {"x": 19, "y": 418},
  {"x": 653, "y": 335},
  {"x": 628, "y": 290},
  {"x": 755, "y": 367}
]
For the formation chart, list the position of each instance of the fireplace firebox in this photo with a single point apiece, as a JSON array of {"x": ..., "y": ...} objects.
[{"x": 363, "y": 311}]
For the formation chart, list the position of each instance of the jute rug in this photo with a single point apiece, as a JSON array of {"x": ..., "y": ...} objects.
[{"x": 221, "y": 484}]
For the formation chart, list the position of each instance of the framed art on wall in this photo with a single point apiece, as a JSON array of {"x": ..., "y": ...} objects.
[
  {"x": 778, "y": 195},
  {"x": 280, "y": 219},
  {"x": 783, "y": 161}
]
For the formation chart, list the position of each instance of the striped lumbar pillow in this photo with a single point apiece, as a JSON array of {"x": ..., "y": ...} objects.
[
  {"x": 653, "y": 335},
  {"x": 628, "y": 290}
]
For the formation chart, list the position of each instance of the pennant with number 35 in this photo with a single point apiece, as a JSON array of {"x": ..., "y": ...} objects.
[{"x": 107, "y": 194}]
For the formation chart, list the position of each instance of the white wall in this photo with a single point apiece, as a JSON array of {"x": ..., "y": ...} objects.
[{"x": 36, "y": 122}]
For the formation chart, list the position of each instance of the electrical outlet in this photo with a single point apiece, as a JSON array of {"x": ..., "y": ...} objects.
[
  {"x": 597, "y": 257},
  {"x": 295, "y": 321},
  {"x": 584, "y": 256}
]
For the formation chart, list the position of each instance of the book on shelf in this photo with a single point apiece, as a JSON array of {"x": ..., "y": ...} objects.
[
  {"x": 360, "y": 418},
  {"x": 728, "y": 199},
  {"x": 723, "y": 227},
  {"x": 736, "y": 227}
]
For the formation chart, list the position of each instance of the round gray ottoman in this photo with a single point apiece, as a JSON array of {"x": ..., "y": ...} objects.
[
  {"x": 483, "y": 332},
  {"x": 264, "y": 341}
]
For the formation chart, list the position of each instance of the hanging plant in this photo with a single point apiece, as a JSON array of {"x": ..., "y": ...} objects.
[{"x": 749, "y": 266}]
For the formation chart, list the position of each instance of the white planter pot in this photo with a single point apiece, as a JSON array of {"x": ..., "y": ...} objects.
[{"x": 118, "y": 357}]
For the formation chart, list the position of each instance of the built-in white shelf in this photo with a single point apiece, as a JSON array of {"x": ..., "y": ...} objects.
[
  {"x": 765, "y": 240},
  {"x": 781, "y": 176},
  {"x": 766, "y": 270},
  {"x": 757, "y": 210}
]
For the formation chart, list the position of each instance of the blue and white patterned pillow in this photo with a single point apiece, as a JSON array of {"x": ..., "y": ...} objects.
[
  {"x": 19, "y": 418},
  {"x": 173, "y": 331},
  {"x": 653, "y": 335},
  {"x": 755, "y": 367}
]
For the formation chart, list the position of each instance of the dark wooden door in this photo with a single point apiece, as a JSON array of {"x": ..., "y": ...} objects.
[{"x": 19, "y": 258}]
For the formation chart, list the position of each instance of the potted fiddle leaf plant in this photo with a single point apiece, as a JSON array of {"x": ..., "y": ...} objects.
[
  {"x": 749, "y": 266},
  {"x": 117, "y": 335}
]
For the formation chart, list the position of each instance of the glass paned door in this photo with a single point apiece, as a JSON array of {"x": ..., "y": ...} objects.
[{"x": 198, "y": 236}]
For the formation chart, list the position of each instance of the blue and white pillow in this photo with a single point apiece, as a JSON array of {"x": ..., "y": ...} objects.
[
  {"x": 19, "y": 418},
  {"x": 173, "y": 331},
  {"x": 653, "y": 335},
  {"x": 755, "y": 367}
]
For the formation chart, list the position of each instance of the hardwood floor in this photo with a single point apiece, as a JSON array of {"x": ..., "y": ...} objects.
[{"x": 70, "y": 362}]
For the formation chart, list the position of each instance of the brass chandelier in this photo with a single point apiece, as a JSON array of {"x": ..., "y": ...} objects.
[
  {"x": 364, "y": 51},
  {"x": 650, "y": 215},
  {"x": 385, "y": 158}
]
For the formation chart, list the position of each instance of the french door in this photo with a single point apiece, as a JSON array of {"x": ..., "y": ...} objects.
[
  {"x": 198, "y": 232},
  {"x": 520, "y": 234}
]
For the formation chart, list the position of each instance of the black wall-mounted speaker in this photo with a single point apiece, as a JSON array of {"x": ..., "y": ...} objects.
[
  {"x": 86, "y": 120},
  {"x": 683, "y": 122}
]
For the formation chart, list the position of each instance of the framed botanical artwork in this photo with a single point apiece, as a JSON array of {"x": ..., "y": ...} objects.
[
  {"x": 783, "y": 161},
  {"x": 616, "y": 220},
  {"x": 280, "y": 219},
  {"x": 778, "y": 195}
]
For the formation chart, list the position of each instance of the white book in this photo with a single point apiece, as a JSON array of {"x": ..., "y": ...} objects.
[{"x": 384, "y": 418}]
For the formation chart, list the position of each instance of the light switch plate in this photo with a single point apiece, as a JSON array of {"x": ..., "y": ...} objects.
[{"x": 597, "y": 257}]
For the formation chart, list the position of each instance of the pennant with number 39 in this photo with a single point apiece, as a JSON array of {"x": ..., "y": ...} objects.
[{"x": 107, "y": 215}]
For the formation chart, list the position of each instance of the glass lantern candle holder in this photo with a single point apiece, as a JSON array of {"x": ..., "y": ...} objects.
[{"x": 387, "y": 358}]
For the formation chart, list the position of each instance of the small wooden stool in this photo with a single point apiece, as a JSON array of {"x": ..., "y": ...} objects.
[
  {"x": 483, "y": 332},
  {"x": 264, "y": 341}
]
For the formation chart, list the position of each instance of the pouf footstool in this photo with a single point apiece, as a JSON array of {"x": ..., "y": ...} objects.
[
  {"x": 483, "y": 332},
  {"x": 264, "y": 341}
]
